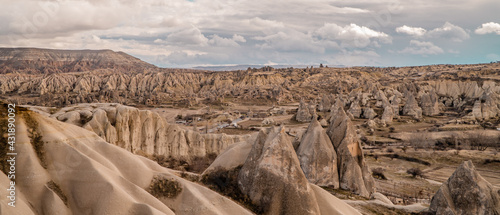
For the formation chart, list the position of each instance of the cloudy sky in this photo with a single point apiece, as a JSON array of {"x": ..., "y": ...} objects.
[{"x": 186, "y": 33}]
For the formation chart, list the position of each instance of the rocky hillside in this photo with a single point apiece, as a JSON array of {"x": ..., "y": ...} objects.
[
  {"x": 49, "y": 61},
  {"x": 65, "y": 169},
  {"x": 142, "y": 131}
]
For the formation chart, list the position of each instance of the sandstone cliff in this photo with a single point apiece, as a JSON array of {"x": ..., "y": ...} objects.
[{"x": 144, "y": 132}]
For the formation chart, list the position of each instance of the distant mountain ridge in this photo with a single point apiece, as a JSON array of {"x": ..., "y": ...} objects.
[
  {"x": 48, "y": 61},
  {"x": 246, "y": 66}
]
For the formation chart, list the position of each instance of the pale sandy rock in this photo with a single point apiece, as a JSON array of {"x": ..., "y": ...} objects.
[
  {"x": 490, "y": 108},
  {"x": 233, "y": 156},
  {"x": 388, "y": 114},
  {"x": 371, "y": 124},
  {"x": 381, "y": 197},
  {"x": 476, "y": 110},
  {"x": 268, "y": 121},
  {"x": 143, "y": 131},
  {"x": 353, "y": 171},
  {"x": 325, "y": 103},
  {"x": 369, "y": 113},
  {"x": 95, "y": 177},
  {"x": 430, "y": 104},
  {"x": 454, "y": 89},
  {"x": 317, "y": 157},
  {"x": 236, "y": 156},
  {"x": 329, "y": 204},
  {"x": 395, "y": 101},
  {"x": 355, "y": 109},
  {"x": 381, "y": 99},
  {"x": 411, "y": 108},
  {"x": 72, "y": 117},
  {"x": 276, "y": 189},
  {"x": 303, "y": 112},
  {"x": 466, "y": 192},
  {"x": 323, "y": 122}
]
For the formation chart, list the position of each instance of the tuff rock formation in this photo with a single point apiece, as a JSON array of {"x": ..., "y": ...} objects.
[
  {"x": 466, "y": 192},
  {"x": 278, "y": 190},
  {"x": 317, "y": 157},
  {"x": 69, "y": 170},
  {"x": 430, "y": 104},
  {"x": 143, "y": 131},
  {"x": 353, "y": 171},
  {"x": 369, "y": 113},
  {"x": 411, "y": 108},
  {"x": 273, "y": 179},
  {"x": 355, "y": 109},
  {"x": 388, "y": 115},
  {"x": 303, "y": 112}
]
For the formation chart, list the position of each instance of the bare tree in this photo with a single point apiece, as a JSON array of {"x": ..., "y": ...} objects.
[
  {"x": 421, "y": 140},
  {"x": 479, "y": 140}
]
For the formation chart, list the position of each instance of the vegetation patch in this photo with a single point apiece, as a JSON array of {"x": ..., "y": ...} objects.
[
  {"x": 161, "y": 186},
  {"x": 415, "y": 172},
  {"x": 344, "y": 194},
  {"x": 379, "y": 173},
  {"x": 56, "y": 189},
  {"x": 381, "y": 210},
  {"x": 410, "y": 159},
  {"x": 35, "y": 137},
  {"x": 225, "y": 182},
  {"x": 487, "y": 161},
  {"x": 3, "y": 139},
  {"x": 196, "y": 165}
]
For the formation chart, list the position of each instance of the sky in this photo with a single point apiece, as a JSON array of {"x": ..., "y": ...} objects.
[{"x": 188, "y": 33}]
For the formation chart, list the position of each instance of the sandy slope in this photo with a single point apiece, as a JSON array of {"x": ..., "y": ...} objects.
[{"x": 95, "y": 177}]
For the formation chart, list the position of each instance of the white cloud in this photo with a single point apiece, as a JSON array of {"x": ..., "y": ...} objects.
[
  {"x": 190, "y": 36},
  {"x": 351, "y": 35},
  {"x": 487, "y": 28},
  {"x": 296, "y": 32},
  {"x": 412, "y": 31},
  {"x": 422, "y": 48},
  {"x": 290, "y": 41},
  {"x": 239, "y": 38},
  {"x": 449, "y": 31},
  {"x": 227, "y": 42}
]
